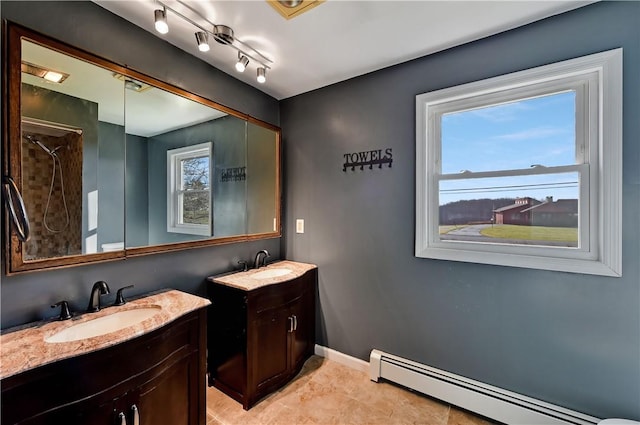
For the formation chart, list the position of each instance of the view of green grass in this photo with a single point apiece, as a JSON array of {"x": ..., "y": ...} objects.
[{"x": 535, "y": 233}]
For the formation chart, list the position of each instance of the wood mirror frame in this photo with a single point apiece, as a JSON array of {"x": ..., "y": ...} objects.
[{"x": 13, "y": 34}]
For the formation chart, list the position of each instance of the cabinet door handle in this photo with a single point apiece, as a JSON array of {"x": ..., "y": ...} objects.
[
  {"x": 123, "y": 418},
  {"x": 136, "y": 415},
  {"x": 295, "y": 322},
  {"x": 290, "y": 319}
]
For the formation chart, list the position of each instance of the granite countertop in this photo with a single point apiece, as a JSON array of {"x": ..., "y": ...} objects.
[
  {"x": 23, "y": 347},
  {"x": 246, "y": 281}
]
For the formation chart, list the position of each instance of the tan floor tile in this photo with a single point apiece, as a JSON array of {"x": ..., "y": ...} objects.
[
  {"x": 402, "y": 405},
  {"x": 326, "y": 393},
  {"x": 460, "y": 417},
  {"x": 381, "y": 396},
  {"x": 287, "y": 416},
  {"x": 320, "y": 402},
  {"x": 341, "y": 378},
  {"x": 420, "y": 409},
  {"x": 218, "y": 403},
  {"x": 358, "y": 413},
  {"x": 213, "y": 421}
]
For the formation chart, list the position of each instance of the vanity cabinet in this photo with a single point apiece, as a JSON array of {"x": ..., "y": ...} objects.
[
  {"x": 259, "y": 339},
  {"x": 156, "y": 378}
]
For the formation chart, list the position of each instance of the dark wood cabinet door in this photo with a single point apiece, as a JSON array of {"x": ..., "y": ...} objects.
[
  {"x": 269, "y": 350},
  {"x": 88, "y": 412},
  {"x": 301, "y": 338},
  {"x": 165, "y": 399}
]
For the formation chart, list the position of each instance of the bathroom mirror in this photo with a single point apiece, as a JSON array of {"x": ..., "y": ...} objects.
[{"x": 112, "y": 163}]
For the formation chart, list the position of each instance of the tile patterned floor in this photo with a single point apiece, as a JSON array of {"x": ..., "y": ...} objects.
[{"x": 326, "y": 392}]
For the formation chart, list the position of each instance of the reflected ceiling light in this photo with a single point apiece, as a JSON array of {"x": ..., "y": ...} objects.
[
  {"x": 262, "y": 77},
  {"x": 242, "y": 63},
  {"x": 290, "y": 3},
  {"x": 132, "y": 85},
  {"x": 222, "y": 34},
  {"x": 161, "y": 21},
  {"x": 42, "y": 72},
  {"x": 53, "y": 76},
  {"x": 202, "y": 38}
]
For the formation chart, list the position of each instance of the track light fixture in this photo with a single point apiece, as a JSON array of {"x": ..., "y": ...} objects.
[
  {"x": 262, "y": 75},
  {"x": 161, "y": 20},
  {"x": 223, "y": 34},
  {"x": 220, "y": 33},
  {"x": 202, "y": 38},
  {"x": 242, "y": 63}
]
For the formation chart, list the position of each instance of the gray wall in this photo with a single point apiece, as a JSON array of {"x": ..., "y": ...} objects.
[
  {"x": 110, "y": 165},
  {"x": 83, "y": 24},
  {"x": 569, "y": 339},
  {"x": 137, "y": 191}
]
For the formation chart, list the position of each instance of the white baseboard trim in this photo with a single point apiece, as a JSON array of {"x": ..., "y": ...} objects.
[{"x": 341, "y": 358}]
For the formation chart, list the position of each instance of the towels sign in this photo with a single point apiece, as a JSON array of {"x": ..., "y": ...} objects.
[{"x": 362, "y": 159}]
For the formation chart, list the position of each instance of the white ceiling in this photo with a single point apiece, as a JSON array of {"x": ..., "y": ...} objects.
[
  {"x": 338, "y": 39},
  {"x": 90, "y": 82}
]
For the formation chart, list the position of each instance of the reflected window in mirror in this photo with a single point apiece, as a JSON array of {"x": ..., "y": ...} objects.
[
  {"x": 163, "y": 129},
  {"x": 189, "y": 190}
]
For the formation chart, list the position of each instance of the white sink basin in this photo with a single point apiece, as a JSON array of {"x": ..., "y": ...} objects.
[
  {"x": 104, "y": 325},
  {"x": 270, "y": 273}
]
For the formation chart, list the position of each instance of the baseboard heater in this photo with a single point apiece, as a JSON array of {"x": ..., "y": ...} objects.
[{"x": 492, "y": 402}]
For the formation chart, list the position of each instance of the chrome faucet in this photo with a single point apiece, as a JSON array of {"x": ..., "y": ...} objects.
[
  {"x": 257, "y": 264},
  {"x": 99, "y": 288}
]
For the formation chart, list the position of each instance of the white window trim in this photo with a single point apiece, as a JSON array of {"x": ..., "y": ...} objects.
[
  {"x": 603, "y": 253},
  {"x": 174, "y": 156}
]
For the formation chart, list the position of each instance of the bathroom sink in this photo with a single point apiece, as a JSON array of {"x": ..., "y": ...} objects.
[
  {"x": 103, "y": 325},
  {"x": 270, "y": 273}
]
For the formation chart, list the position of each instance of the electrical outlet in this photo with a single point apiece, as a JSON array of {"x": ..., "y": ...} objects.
[{"x": 300, "y": 225}]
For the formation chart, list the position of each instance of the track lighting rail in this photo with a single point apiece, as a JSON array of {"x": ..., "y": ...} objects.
[{"x": 245, "y": 49}]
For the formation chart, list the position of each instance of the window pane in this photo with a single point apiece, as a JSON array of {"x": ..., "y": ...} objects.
[
  {"x": 195, "y": 208},
  {"x": 195, "y": 173},
  {"x": 520, "y": 210},
  {"x": 511, "y": 136}
]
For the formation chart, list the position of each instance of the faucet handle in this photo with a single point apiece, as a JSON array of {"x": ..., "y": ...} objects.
[
  {"x": 65, "y": 314},
  {"x": 244, "y": 265},
  {"x": 119, "y": 297}
]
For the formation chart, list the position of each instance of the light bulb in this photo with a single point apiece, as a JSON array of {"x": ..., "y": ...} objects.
[
  {"x": 202, "y": 38},
  {"x": 242, "y": 63},
  {"x": 161, "y": 21},
  {"x": 53, "y": 76},
  {"x": 262, "y": 75}
]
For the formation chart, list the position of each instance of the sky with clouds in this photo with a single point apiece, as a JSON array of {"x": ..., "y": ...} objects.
[{"x": 511, "y": 136}]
